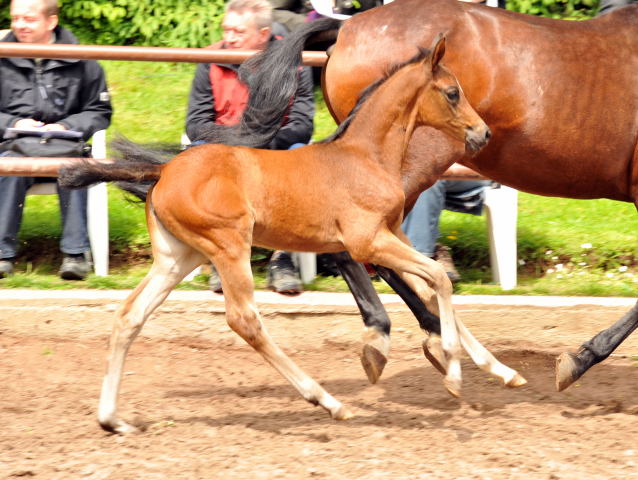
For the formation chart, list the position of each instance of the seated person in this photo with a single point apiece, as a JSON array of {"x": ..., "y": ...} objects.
[
  {"x": 48, "y": 94},
  {"x": 421, "y": 225},
  {"x": 217, "y": 96}
]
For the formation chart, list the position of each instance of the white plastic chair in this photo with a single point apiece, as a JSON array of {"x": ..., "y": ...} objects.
[
  {"x": 97, "y": 209},
  {"x": 501, "y": 210}
]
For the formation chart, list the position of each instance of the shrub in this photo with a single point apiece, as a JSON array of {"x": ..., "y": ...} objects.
[{"x": 172, "y": 23}]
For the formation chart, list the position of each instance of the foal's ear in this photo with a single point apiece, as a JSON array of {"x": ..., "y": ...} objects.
[{"x": 438, "y": 50}]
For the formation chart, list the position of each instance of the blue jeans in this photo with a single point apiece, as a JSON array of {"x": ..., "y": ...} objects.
[
  {"x": 75, "y": 238},
  {"x": 421, "y": 225}
]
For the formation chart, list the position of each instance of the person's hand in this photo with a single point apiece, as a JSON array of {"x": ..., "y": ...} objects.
[
  {"x": 27, "y": 123},
  {"x": 53, "y": 126}
]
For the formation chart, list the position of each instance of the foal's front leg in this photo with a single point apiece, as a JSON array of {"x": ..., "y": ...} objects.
[
  {"x": 418, "y": 271},
  {"x": 243, "y": 317}
]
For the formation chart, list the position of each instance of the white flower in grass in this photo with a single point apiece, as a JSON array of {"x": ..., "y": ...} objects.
[
  {"x": 622, "y": 268},
  {"x": 586, "y": 245},
  {"x": 550, "y": 270},
  {"x": 609, "y": 275},
  {"x": 559, "y": 267},
  {"x": 582, "y": 264}
]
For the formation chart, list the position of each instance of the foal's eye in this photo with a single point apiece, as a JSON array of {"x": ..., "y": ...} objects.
[{"x": 452, "y": 94}]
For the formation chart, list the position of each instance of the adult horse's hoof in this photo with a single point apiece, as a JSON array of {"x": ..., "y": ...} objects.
[
  {"x": 373, "y": 362},
  {"x": 568, "y": 370},
  {"x": 434, "y": 353},
  {"x": 374, "y": 355},
  {"x": 516, "y": 381}
]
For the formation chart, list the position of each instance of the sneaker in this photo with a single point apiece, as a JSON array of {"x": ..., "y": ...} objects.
[
  {"x": 74, "y": 267},
  {"x": 282, "y": 274},
  {"x": 6, "y": 267},
  {"x": 326, "y": 265},
  {"x": 443, "y": 256},
  {"x": 214, "y": 282}
]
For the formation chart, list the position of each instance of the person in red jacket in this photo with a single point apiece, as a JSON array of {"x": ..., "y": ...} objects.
[{"x": 218, "y": 97}]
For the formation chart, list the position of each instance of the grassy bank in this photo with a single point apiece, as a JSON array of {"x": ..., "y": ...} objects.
[{"x": 566, "y": 247}]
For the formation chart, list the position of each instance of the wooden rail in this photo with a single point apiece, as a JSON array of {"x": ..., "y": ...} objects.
[
  {"x": 146, "y": 54},
  {"x": 50, "y": 167}
]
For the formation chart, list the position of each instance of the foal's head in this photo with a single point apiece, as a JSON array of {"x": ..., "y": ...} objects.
[{"x": 443, "y": 105}]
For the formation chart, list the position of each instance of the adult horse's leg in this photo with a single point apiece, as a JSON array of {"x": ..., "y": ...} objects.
[
  {"x": 172, "y": 261},
  {"x": 376, "y": 338},
  {"x": 242, "y": 315},
  {"x": 570, "y": 367}
]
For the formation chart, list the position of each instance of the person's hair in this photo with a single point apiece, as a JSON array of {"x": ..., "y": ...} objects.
[
  {"x": 261, "y": 10},
  {"x": 49, "y": 7}
]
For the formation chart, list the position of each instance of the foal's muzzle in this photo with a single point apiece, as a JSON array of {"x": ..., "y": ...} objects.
[{"x": 476, "y": 137}]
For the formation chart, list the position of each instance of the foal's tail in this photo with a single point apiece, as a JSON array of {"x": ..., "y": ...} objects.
[
  {"x": 272, "y": 78},
  {"x": 135, "y": 169}
]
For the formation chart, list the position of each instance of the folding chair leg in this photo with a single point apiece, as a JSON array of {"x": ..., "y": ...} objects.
[{"x": 307, "y": 263}]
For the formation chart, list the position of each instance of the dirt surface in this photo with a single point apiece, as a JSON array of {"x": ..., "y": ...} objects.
[{"x": 214, "y": 410}]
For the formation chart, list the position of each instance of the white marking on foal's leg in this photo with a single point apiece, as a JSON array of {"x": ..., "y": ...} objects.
[
  {"x": 451, "y": 345},
  {"x": 485, "y": 360}
]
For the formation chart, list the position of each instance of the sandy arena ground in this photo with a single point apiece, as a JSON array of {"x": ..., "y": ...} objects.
[{"x": 214, "y": 409}]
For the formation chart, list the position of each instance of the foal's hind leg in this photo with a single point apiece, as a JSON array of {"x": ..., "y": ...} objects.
[
  {"x": 173, "y": 260},
  {"x": 242, "y": 315}
]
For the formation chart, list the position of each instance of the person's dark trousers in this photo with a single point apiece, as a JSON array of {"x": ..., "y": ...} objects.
[{"x": 75, "y": 238}]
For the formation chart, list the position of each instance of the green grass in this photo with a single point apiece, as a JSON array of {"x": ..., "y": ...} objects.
[{"x": 553, "y": 234}]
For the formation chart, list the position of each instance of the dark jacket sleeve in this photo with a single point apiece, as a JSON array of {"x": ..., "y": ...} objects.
[
  {"x": 96, "y": 105},
  {"x": 201, "y": 104},
  {"x": 299, "y": 127}
]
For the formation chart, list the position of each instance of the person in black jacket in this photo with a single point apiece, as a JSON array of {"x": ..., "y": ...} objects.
[
  {"x": 48, "y": 94},
  {"x": 218, "y": 97}
]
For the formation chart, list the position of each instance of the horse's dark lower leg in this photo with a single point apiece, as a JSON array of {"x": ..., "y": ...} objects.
[
  {"x": 570, "y": 367},
  {"x": 377, "y": 337},
  {"x": 427, "y": 320}
]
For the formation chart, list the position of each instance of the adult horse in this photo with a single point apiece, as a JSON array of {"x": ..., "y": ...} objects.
[
  {"x": 212, "y": 202},
  {"x": 561, "y": 98}
]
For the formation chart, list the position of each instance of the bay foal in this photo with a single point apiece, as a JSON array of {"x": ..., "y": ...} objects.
[{"x": 212, "y": 202}]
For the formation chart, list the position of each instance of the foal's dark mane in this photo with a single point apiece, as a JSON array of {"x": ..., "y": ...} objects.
[{"x": 423, "y": 52}]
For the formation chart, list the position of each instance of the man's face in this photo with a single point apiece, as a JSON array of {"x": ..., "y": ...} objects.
[
  {"x": 241, "y": 33},
  {"x": 29, "y": 22}
]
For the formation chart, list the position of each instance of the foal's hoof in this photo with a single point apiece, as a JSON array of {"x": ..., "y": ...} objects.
[
  {"x": 120, "y": 427},
  {"x": 342, "y": 413},
  {"x": 567, "y": 370},
  {"x": 373, "y": 362},
  {"x": 453, "y": 387},
  {"x": 434, "y": 353},
  {"x": 516, "y": 381}
]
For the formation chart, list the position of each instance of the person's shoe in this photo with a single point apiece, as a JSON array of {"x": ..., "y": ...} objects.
[
  {"x": 74, "y": 267},
  {"x": 326, "y": 265},
  {"x": 6, "y": 267},
  {"x": 282, "y": 274},
  {"x": 214, "y": 282},
  {"x": 443, "y": 256}
]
